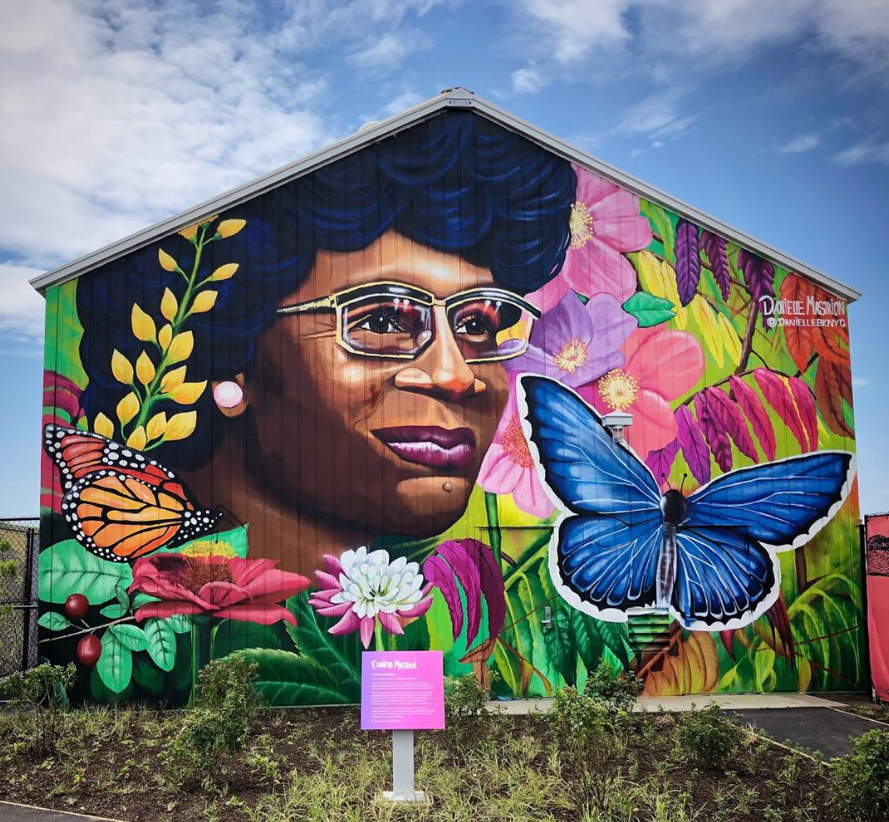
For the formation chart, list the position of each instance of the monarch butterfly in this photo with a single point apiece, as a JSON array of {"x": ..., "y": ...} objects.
[{"x": 120, "y": 503}]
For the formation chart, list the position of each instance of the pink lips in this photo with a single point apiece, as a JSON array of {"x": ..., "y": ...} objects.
[{"x": 429, "y": 444}]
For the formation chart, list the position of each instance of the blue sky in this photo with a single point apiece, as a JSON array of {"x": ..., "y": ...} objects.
[{"x": 117, "y": 113}]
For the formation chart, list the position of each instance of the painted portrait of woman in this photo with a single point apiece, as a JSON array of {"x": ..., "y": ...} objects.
[{"x": 365, "y": 408}]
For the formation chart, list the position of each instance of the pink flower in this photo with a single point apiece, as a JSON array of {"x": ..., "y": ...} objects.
[
  {"x": 225, "y": 587},
  {"x": 508, "y": 467},
  {"x": 364, "y": 589},
  {"x": 605, "y": 222},
  {"x": 576, "y": 343},
  {"x": 661, "y": 365}
]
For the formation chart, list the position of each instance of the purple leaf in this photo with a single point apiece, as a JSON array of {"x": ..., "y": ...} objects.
[
  {"x": 752, "y": 406},
  {"x": 805, "y": 404},
  {"x": 716, "y": 437},
  {"x": 779, "y": 397},
  {"x": 472, "y": 564},
  {"x": 694, "y": 449},
  {"x": 688, "y": 260},
  {"x": 729, "y": 418},
  {"x": 661, "y": 461},
  {"x": 714, "y": 246},
  {"x": 759, "y": 275}
]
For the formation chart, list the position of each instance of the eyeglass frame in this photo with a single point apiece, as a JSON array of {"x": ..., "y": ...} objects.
[{"x": 336, "y": 301}]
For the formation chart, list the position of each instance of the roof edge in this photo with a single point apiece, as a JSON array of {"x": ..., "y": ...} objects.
[{"x": 451, "y": 98}]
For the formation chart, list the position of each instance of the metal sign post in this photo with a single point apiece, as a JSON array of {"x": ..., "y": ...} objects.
[{"x": 403, "y": 770}]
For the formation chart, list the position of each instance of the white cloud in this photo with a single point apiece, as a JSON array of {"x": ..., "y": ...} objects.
[
  {"x": 860, "y": 382},
  {"x": 528, "y": 80},
  {"x": 867, "y": 151},
  {"x": 21, "y": 307},
  {"x": 805, "y": 142},
  {"x": 658, "y": 118},
  {"x": 391, "y": 50}
]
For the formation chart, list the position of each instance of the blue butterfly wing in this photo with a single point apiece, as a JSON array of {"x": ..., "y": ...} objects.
[
  {"x": 781, "y": 503},
  {"x": 608, "y": 565},
  {"x": 724, "y": 578},
  {"x": 583, "y": 465}
]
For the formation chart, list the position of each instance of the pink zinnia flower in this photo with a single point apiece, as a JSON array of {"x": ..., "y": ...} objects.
[
  {"x": 661, "y": 365},
  {"x": 508, "y": 467},
  {"x": 605, "y": 222},
  {"x": 364, "y": 589},
  {"x": 576, "y": 343},
  {"x": 218, "y": 586}
]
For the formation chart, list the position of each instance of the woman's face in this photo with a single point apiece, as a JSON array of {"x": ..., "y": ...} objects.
[{"x": 390, "y": 445}]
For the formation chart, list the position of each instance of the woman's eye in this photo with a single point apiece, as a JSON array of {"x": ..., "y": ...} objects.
[
  {"x": 381, "y": 322},
  {"x": 475, "y": 325}
]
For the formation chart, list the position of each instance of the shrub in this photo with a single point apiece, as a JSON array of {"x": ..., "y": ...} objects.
[
  {"x": 43, "y": 692},
  {"x": 614, "y": 693},
  {"x": 709, "y": 737},
  {"x": 465, "y": 697},
  {"x": 859, "y": 784},
  {"x": 577, "y": 718},
  {"x": 217, "y": 727}
]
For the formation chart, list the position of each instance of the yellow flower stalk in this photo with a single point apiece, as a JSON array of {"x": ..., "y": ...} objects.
[
  {"x": 164, "y": 336},
  {"x": 187, "y": 392},
  {"x": 180, "y": 348},
  {"x": 156, "y": 426},
  {"x": 203, "y": 302},
  {"x": 173, "y": 378},
  {"x": 181, "y": 426},
  {"x": 145, "y": 369},
  {"x": 121, "y": 368},
  {"x": 189, "y": 233},
  {"x": 169, "y": 304},
  {"x": 166, "y": 261},
  {"x": 224, "y": 272},
  {"x": 228, "y": 228},
  {"x": 127, "y": 408},
  {"x": 103, "y": 426},
  {"x": 143, "y": 325},
  {"x": 137, "y": 439}
]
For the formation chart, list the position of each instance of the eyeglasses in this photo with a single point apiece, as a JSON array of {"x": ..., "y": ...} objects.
[{"x": 394, "y": 320}]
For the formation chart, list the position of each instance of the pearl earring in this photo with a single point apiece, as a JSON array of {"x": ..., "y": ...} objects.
[{"x": 228, "y": 394}]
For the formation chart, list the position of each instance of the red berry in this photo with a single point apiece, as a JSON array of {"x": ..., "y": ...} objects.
[
  {"x": 76, "y": 606},
  {"x": 89, "y": 649}
]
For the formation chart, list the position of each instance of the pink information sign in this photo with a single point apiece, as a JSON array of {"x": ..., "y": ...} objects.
[{"x": 402, "y": 691}]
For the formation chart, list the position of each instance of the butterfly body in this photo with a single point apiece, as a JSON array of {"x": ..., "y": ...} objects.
[
  {"x": 120, "y": 503},
  {"x": 622, "y": 547}
]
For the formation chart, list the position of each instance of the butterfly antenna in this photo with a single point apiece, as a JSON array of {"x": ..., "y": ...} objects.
[
  {"x": 682, "y": 484},
  {"x": 666, "y": 480},
  {"x": 229, "y": 516}
]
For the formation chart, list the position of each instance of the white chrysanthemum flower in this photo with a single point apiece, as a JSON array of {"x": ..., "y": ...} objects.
[{"x": 375, "y": 586}]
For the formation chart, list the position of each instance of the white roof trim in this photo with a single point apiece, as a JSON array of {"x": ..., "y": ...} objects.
[{"x": 452, "y": 98}]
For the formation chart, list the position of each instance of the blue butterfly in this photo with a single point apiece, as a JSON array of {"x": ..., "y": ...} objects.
[{"x": 623, "y": 547}]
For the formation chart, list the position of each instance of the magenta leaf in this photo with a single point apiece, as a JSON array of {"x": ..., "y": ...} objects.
[
  {"x": 472, "y": 564},
  {"x": 728, "y": 416},
  {"x": 688, "y": 260},
  {"x": 779, "y": 397},
  {"x": 752, "y": 406},
  {"x": 661, "y": 461},
  {"x": 691, "y": 440},
  {"x": 715, "y": 435},
  {"x": 805, "y": 405},
  {"x": 714, "y": 246}
]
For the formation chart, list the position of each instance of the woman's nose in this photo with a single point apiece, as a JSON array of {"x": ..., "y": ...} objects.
[{"x": 441, "y": 368}]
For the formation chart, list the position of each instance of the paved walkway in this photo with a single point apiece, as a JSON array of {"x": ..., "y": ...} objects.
[{"x": 11, "y": 812}]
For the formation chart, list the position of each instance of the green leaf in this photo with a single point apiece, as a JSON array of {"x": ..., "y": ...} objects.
[
  {"x": 114, "y": 611},
  {"x": 648, "y": 309},
  {"x": 286, "y": 678},
  {"x": 115, "y": 665},
  {"x": 180, "y": 624},
  {"x": 234, "y": 540},
  {"x": 123, "y": 596},
  {"x": 130, "y": 636},
  {"x": 314, "y": 642},
  {"x": 161, "y": 643},
  {"x": 661, "y": 223},
  {"x": 143, "y": 599},
  {"x": 148, "y": 676},
  {"x": 68, "y": 568},
  {"x": 54, "y": 621}
]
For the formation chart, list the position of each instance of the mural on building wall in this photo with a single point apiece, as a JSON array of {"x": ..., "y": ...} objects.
[
  {"x": 877, "y": 534},
  {"x": 365, "y": 410}
]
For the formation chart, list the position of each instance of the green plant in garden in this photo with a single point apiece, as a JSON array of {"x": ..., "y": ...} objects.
[
  {"x": 859, "y": 784},
  {"x": 9, "y": 569},
  {"x": 42, "y": 692},
  {"x": 577, "y": 718},
  {"x": 709, "y": 738},
  {"x": 464, "y": 698},
  {"x": 614, "y": 693}
]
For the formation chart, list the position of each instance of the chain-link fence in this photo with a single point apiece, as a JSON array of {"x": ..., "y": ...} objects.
[{"x": 19, "y": 546}]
